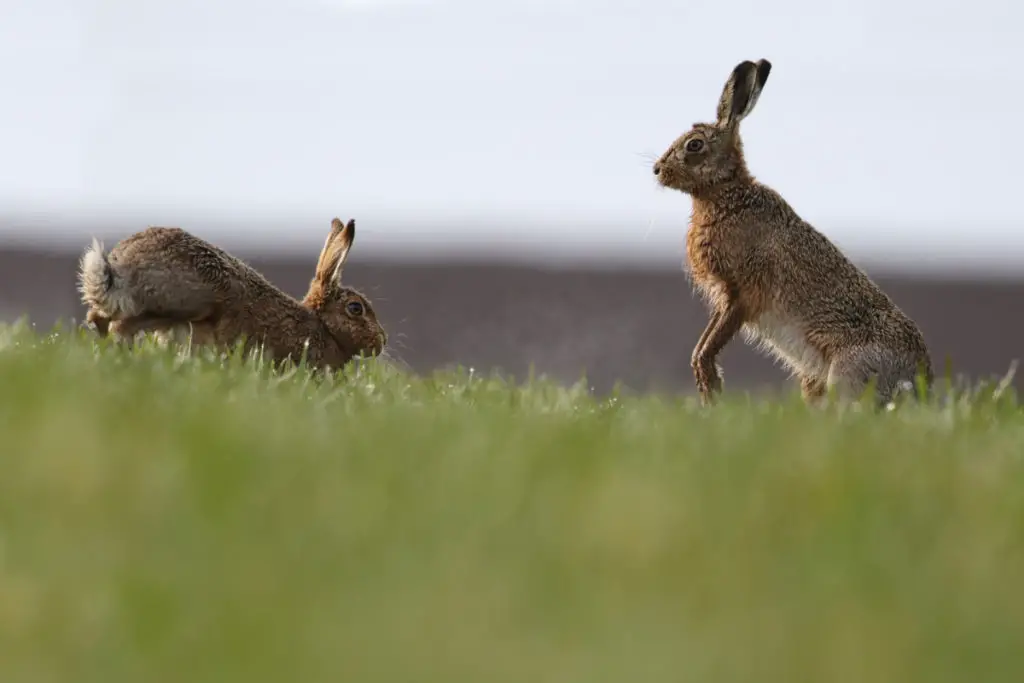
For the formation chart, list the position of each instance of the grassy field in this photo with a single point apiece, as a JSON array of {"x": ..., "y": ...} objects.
[{"x": 194, "y": 519}]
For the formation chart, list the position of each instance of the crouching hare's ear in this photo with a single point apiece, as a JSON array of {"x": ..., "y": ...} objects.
[{"x": 335, "y": 252}]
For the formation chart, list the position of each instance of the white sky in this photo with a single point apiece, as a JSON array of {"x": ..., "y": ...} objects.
[{"x": 893, "y": 125}]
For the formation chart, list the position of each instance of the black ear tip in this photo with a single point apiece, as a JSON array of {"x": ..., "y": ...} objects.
[
  {"x": 743, "y": 67},
  {"x": 764, "y": 67},
  {"x": 350, "y": 228}
]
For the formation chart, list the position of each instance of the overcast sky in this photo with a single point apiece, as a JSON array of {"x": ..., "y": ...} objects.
[{"x": 893, "y": 125}]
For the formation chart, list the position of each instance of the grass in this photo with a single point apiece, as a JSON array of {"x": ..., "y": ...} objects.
[{"x": 199, "y": 519}]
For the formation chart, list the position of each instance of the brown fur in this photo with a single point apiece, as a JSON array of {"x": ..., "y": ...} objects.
[
  {"x": 764, "y": 270},
  {"x": 167, "y": 281}
]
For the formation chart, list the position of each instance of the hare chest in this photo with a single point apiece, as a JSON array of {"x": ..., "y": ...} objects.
[{"x": 783, "y": 337}]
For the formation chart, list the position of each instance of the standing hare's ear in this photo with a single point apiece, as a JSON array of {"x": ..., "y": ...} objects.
[
  {"x": 741, "y": 91},
  {"x": 334, "y": 253}
]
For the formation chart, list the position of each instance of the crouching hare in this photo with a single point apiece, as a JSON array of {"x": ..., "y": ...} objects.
[
  {"x": 765, "y": 271},
  {"x": 167, "y": 281}
]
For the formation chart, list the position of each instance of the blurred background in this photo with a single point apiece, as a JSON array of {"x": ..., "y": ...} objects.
[{"x": 496, "y": 156}]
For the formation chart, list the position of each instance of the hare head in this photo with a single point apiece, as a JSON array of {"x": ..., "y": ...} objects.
[
  {"x": 710, "y": 154},
  {"x": 345, "y": 312}
]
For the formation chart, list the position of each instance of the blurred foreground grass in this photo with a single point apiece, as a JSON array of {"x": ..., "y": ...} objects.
[{"x": 170, "y": 519}]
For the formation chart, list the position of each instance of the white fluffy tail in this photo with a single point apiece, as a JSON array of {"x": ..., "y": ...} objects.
[
  {"x": 97, "y": 283},
  {"x": 95, "y": 278}
]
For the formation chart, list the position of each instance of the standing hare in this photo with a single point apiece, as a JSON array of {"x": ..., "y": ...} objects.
[
  {"x": 764, "y": 270},
  {"x": 165, "y": 280}
]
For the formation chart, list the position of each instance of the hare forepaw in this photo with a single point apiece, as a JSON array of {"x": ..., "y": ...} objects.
[{"x": 709, "y": 381}]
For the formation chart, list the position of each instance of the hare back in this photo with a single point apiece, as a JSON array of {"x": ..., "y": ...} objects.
[{"x": 169, "y": 272}]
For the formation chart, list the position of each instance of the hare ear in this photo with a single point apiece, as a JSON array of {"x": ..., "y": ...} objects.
[
  {"x": 335, "y": 251},
  {"x": 741, "y": 91},
  {"x": 336, "y": 227}
]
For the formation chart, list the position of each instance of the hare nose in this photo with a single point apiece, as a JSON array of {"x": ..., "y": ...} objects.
[{"x": 657, "y": 168}]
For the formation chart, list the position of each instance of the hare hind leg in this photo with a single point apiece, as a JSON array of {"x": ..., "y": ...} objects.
[
  {"x": 188, "y": 335},
  {"x": 127, "y": 329},
  {"x": 853, "y": 371},
  {"x": 813, "y": 389},
  {"x": 98, "y": 321}
]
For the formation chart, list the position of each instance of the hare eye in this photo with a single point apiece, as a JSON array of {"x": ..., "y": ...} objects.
[
  {"x": 354, "y": 308},
  {"x": 695, "y": 145}
]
